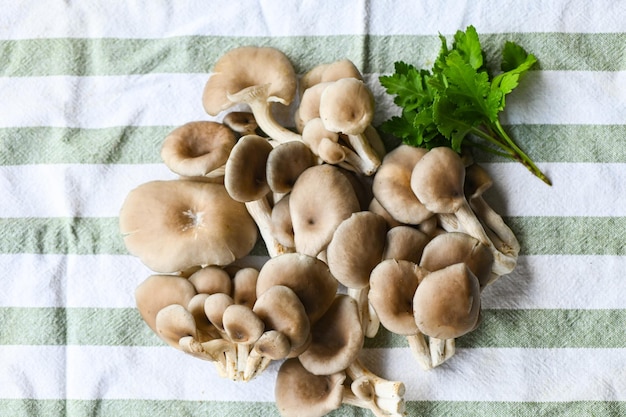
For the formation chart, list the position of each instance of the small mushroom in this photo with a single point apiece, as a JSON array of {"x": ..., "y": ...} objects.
[
  {"x": 337, "y": 338},
  {"x": 245, "y": 180},
  {"x": 258, "y": 77},
  {"x": 332, "y": 71},
  {"x": 198, "y": 148},
  {"x": 157, "y": 292},
  {"x": 355, "y": 249},
  {"x": 241, "y": 122},
  {"x": 392, "y": 289},
  {"x": 285, "y": 163},
  {"x": 406, "y": 243},
  {"x": 392, "y": 186},
  {"x": 455, "y": 247},
  {"x": 244, "y": 328},
  {"x": 214, "y": 307},
  {"x": 244, "y": 286},
  {"x": 438, "y": 182},
  {"x": 321, "y": 199},
  {"x": 323, "y": 142},
  {"x": 282, "y": 227},
  {"x": 307, "y": 276},
  {"x": 299, "y": 393},
  {"x": 280, "y": 309},
  {"x": 200, "y": 222},
  {"x": 211, "y": 279},
  {"x": 347, "y": 106},
  {"x": 174, "y": 322},
  {"x": 447, "y": 302},
  {"x": 271, "y": 346}
]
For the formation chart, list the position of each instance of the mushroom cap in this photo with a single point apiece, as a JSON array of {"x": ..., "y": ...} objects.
[
  {"x": 245, "y": 67},
  {"x": 211, "y": 279},
  {"x": 214, "y": 307},
  {"x": 245, "y": 175},
  {"x": 347, "y": 106},
  {"x": 299, "y": 393},
  {"x": 477, "y": 181},
  {"x": 455, "y": 247},
  {"x": 375, "y": 207},
  {"x": 392, "y": 288},
  {"x": 321, "y": 199},
  {"x": 174, "y": 322},
  {"x": 309, "y": 106},
  {"x": 438, "y": 180},
  {"x": 406, "y": 243},
  {"x": 282, "y": 227},
  {"x": 337, "y": 338},
  {"x": 447, "y": 302},
  {"x": 205, "y": 330},
  {"x": 307, "y": 276},
  {"x": 331, "y": 71},
  {"x": 197, "y": 148},
  {"x": 241, "y": 324},
  {"x": 322, "y": 141},
  {"x": 176, "y": 224},
  {"x": 273, "y": 345},
  {"x": 244, "y": 286},
  {"x": 392, "y": 185},
  {"x": 356, "y": 248},
  {"x": 159, "y": 291},
  {"x": 242, "y": 122},
  {"x": 285, "y": 163},
  {"x": 280, "y": 309}
]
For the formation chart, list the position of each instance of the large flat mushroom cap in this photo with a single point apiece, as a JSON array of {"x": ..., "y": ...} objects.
[
  {"x": 177, "y": 224},
  {"x": 248, "y": 66}
]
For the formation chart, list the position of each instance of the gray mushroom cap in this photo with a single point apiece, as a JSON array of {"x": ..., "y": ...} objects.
[
  {"x": 321, "y": 199},
  {"x": 299, "y": 393},
  {"x": 200, "y": 222},
  {"x": 337, "y": 338},
  {"x": 197, "y": 148},
  {"x": 406, "y": 243},
  {"x": 392, "y": 287},
  {"x": 245, "y": 175},
  {"x": 285, "y": 163},
  {"x": 446, "y": 304}
]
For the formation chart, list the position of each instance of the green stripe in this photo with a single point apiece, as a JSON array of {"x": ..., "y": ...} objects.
[
  {"x": 371, "y": 53},
  {"x": 534, "y": 329},
  {"x": 100, "y": 235},
  {"x": 167, "y": 408},
  {"x": 499, "y": 329},
  {"x": 141, "y": 145}
]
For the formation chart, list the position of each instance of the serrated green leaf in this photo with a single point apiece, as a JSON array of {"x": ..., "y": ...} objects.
[{"x": 467, "y": 44}]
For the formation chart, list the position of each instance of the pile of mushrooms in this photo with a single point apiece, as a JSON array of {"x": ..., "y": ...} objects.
[{"x": 357, "y": 238}]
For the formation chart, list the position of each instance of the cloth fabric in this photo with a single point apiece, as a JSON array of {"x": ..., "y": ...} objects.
[{"x": 90, "y": 89}]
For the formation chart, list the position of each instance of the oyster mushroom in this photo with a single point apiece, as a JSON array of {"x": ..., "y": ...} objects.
[
  {"x": 392, "y": 290},
  {"x": 405, "y": 243},
  {"x": 243, "y": 327},
  {"x": 331, "y": 71},
  {"x": 210, "y": 280},
  {"x": 198, "y": 149},
  {"x": 258, "y": 77},
  {"x": 285, "y": 163},
  {"x": 271, "y": 346},
  {"x": 438, "y": 182},
  {"x": 337, "y": 338},
  {"x": 244, "y": 286},
  {"x": 355, "y": 249},
  {"x": 245, "y": 180},
  {"x": 321, "y": 199},
  {"x": 282, "y": 227},
  {"x": 241, "y": 122},
  {"x": 200, "y": 222},
  {"x": 307, "y": 276},
  {"x": 392, "y": 186}
]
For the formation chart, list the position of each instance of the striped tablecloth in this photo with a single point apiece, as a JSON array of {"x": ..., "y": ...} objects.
[{"x": 88, "y": 90}]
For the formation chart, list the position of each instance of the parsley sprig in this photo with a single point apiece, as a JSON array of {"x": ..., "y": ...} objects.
[{"x": 458, "y": 100}]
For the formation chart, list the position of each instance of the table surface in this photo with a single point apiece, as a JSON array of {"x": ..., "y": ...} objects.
[{"x": 90, "y": 89}]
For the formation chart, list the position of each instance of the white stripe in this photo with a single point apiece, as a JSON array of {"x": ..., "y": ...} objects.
[
  {"x": 72, "y": 190},
  {"x": 538, "y": 282},
  {"x": 560, "y": 282},
  {"x": 75, "y": 281},
  {"x": 144, "y": 19},
  {"x": 162, "y": 373},
  {"x": 97, "y": 190},
  {"x": 553, "y": 97},
  {"x": 101, "y": 372},
  {"x": 509, "y": 375}
]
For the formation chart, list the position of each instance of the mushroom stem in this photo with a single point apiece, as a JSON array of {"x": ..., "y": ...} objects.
[
  {"x": 441, "y": 350},
  {"x": 364, "y": 150},
  {"x": 261, "y": 213},
  {"x": 381, "y": 387},
  {"x": 493, "y": 221},
  {"x": 256, "y": 97},
  {"x": 420, "y": 350},
  {"x": 367, "y": 314},
  {"x": 352, "y": 161}
]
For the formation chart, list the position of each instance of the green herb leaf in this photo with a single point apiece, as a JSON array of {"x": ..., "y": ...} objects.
[{"x": 458, "y": 98}]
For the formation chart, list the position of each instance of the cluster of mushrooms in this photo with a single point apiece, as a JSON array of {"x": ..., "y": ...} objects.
[{"x": 357, "y": 237}]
